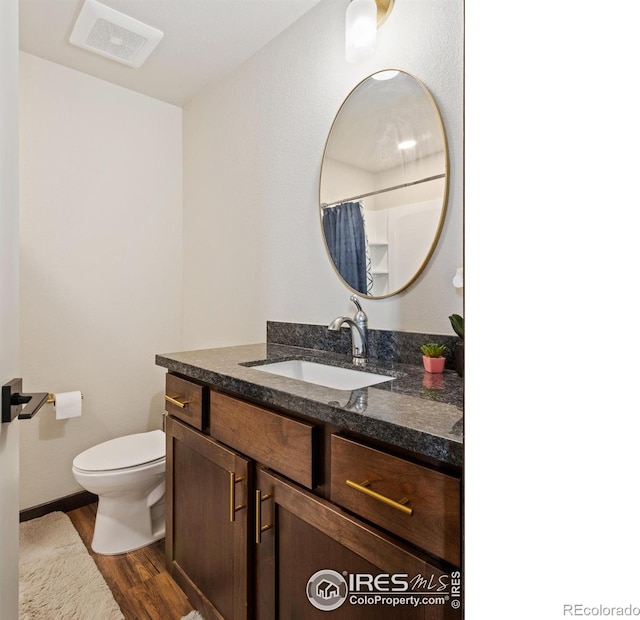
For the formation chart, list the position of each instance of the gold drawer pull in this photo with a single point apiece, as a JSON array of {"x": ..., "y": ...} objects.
[
  {"x": 175, "y": 402},
  {"x": 399, "y": 505},
  {"x": 259, "y": 527},
  {"x": 232, "y": 496}
]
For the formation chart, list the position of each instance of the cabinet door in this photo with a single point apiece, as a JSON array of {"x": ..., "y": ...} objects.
[
  {"x": 207, "y": 537},
  {"x": 307, "y": 548}
]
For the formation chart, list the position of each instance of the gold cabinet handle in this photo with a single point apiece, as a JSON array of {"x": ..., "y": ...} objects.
[
  {"x": 232, "y": 496},
  {"x": 259, "y": 527},
  {"x": 176, "y": 402},
  {"x": 399, "y": 505}
]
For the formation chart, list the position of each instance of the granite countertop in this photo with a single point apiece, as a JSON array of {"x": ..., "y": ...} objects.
[{"x": 416, "y": 411}]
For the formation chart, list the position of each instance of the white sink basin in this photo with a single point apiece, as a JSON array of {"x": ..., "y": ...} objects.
[{"x": 321, "y": 374}]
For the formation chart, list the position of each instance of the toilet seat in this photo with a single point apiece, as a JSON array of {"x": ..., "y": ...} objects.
[{"x": 121, "y": 453}]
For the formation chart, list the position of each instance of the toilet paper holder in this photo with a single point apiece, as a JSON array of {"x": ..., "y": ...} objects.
[{"x": 15, "y": 404}]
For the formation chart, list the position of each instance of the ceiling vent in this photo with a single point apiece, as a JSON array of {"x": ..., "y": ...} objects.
[{"x": 112, "y": 34}]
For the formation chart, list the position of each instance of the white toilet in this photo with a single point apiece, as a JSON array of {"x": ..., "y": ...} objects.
[{"x": 128, "y": 476}]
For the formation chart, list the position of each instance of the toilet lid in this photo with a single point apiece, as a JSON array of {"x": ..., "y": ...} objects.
[{"x": 123, "y": 452}]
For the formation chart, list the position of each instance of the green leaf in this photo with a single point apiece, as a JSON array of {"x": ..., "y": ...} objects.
[
  {"x": 432, "y": 349},
  {"x": 457, "y": 322}
]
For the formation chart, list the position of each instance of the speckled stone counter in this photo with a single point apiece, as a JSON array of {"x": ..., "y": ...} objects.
[{"x": 416, "y": 411}]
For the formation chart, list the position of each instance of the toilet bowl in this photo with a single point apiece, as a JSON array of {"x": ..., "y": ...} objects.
[{"x": 128, "y": 476}]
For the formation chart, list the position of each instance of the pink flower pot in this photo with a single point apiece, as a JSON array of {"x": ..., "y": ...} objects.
[{"x": 434, "y": 365}]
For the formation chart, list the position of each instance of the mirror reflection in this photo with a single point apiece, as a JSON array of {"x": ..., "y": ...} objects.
[{"x": 384, "y": 184}]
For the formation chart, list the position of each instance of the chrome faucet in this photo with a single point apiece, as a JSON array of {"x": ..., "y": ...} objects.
[{"x": 358, "y": 325}]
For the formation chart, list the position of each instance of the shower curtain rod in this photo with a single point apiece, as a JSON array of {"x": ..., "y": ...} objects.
[{"x": 328, "y": 205}]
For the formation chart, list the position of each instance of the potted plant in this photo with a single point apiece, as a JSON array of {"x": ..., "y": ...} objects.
[
  {"x": 433, "y": 357},
  {"x": 457, "y": 322}
]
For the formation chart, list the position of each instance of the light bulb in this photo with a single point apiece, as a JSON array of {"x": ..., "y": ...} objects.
[
  {"x": 360, "y": 30},
  {"x": 382, "y": 76},
  {"x": 407, "y": 144}
]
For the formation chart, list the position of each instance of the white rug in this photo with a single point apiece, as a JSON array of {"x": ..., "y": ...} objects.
[
  {"x": 58, "y": 577},
  {"x": 194, "y": 615}
]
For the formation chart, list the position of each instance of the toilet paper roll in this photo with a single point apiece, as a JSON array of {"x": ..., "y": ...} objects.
[{"x": 68, "y": 405}]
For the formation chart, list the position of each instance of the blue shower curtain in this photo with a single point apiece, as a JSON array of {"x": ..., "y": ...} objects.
[{"x": 344, "y": 233}]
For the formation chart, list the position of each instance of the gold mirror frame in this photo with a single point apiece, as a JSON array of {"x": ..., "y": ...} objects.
[{"x": 401, "y": 115}]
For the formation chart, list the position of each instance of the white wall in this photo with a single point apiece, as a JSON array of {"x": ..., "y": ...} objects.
[
  {"x": 101, "y": 262},
  {"x": 253, "y": 148},
  {"x": 9, "y": 303}
]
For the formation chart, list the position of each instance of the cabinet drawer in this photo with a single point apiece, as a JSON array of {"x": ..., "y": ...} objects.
[
  {"x": 278, "y": 442},
  {"x": 185, "y": 400},
  {"x": 425, "y": 504}
]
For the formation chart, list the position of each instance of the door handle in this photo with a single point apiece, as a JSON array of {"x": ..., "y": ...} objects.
[
  {"x": 176, "y": 402},
  {"x": 398, "y": 505},
  {"x": 259, "y": 527},
  {"x": 232, "y": 496}
]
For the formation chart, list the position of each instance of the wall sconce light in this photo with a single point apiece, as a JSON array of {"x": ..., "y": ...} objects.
[
  {"x": 458, "y": 279},
  {"x": 363, "y": 18}
]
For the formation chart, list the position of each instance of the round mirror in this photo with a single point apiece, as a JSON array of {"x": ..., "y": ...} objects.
[{"x": 384, "y": 184}]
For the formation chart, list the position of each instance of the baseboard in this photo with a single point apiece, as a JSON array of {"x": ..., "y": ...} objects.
[{"x": 63, "y": 504}]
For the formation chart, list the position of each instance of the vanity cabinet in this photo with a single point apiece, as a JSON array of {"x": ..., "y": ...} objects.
[{"x": 257, "y": 503}]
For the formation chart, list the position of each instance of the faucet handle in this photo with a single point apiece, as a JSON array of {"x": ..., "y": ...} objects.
[{"x": 360, "y": 314}]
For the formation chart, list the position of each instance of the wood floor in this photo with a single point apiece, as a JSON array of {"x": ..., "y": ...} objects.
[{"x": 138, "y": 580}]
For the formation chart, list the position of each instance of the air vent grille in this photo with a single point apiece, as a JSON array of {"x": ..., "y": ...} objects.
[
  {"x": 114, "y": 35},
  {"x": 115, "y": 40}
]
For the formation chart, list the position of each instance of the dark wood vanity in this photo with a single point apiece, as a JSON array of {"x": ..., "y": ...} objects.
[{"x": 260, "y": 498}]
